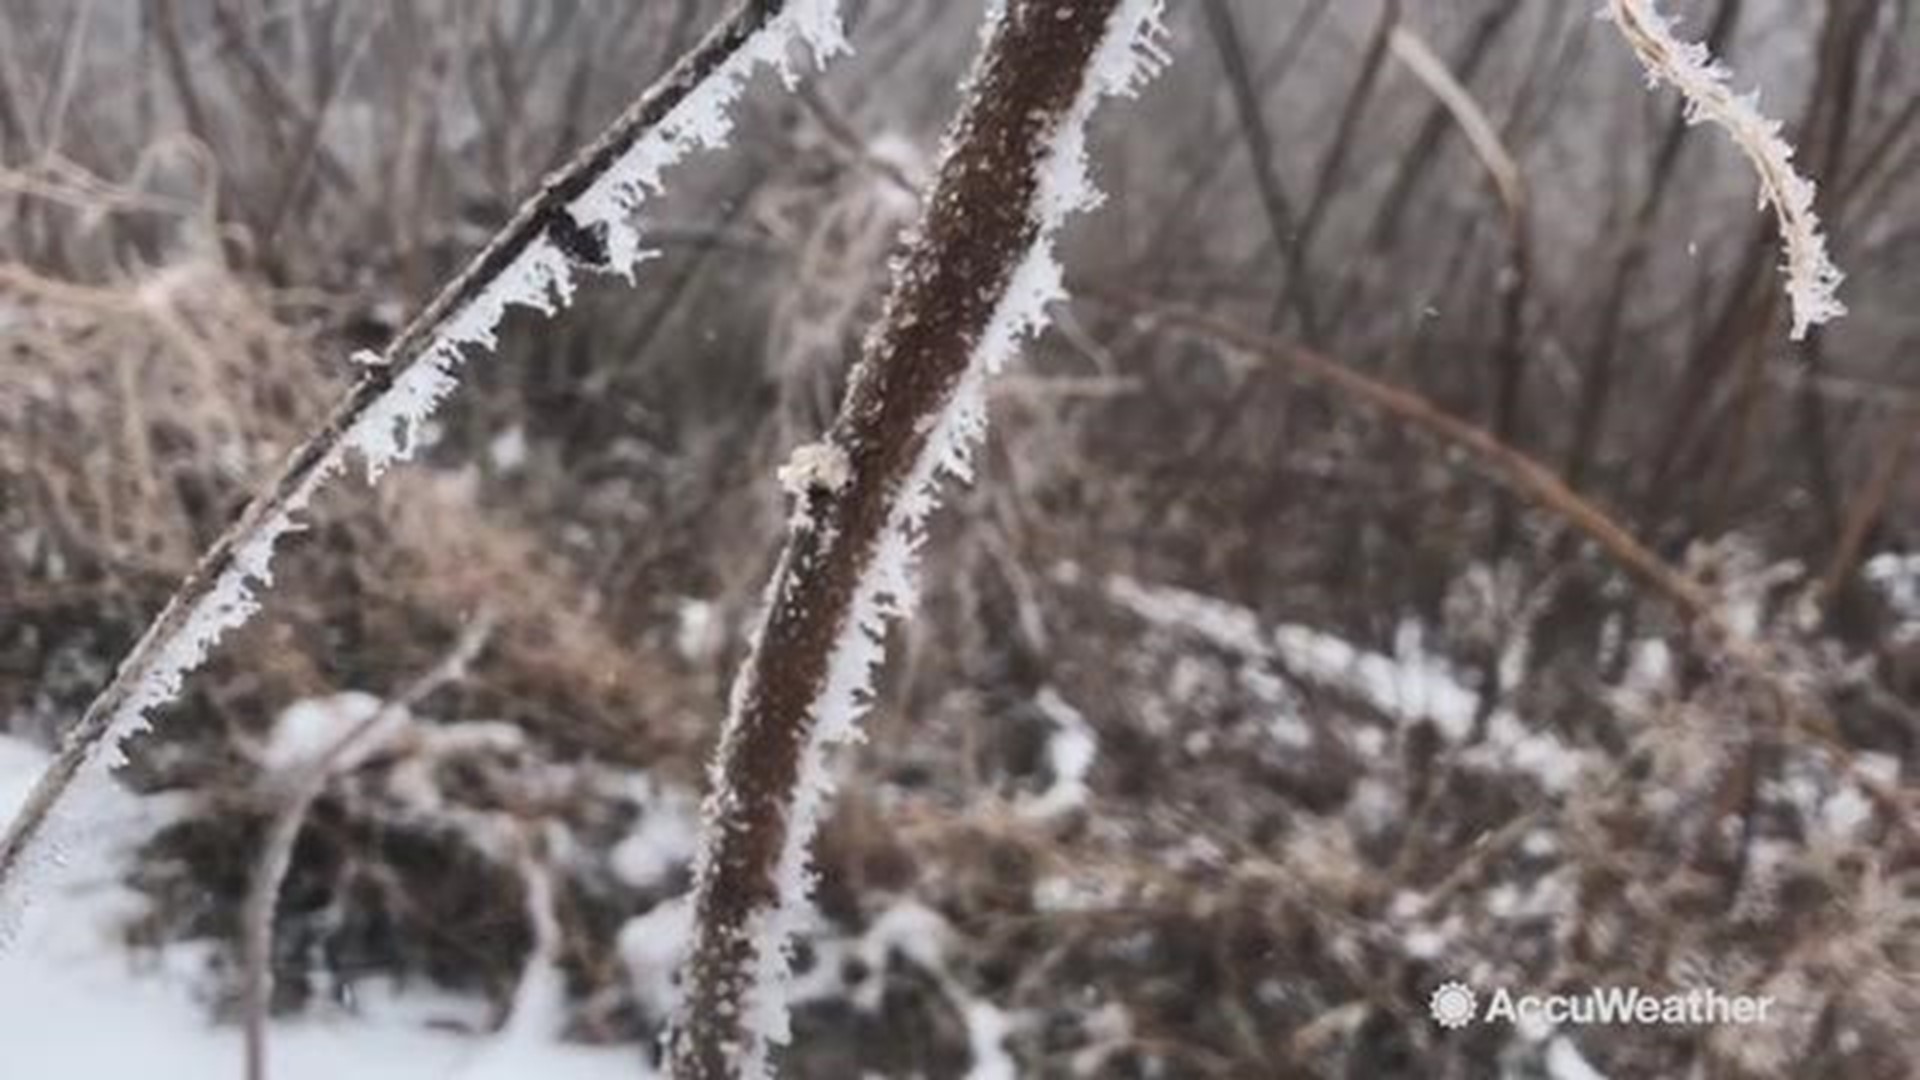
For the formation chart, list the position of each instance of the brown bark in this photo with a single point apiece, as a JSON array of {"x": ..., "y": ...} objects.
[{"x": 978, "y": 224}]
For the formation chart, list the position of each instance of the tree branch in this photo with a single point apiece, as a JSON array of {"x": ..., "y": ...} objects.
[
  {"x": 975, "y": 279},
  {"x": 578, "y": 219}
]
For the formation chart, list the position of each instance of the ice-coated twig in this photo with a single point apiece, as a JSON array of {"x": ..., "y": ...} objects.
[
  {"x": 1690, "y": 68},
  {"x": 582, "y": 218},
  {"x": 975, "y": 280}
]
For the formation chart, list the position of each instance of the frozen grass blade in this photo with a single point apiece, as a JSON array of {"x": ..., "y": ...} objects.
[{"x": 1812, "y": 278}]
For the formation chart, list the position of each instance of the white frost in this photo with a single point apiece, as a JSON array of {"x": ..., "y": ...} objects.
[
  {"x": 1688, "y": 67},
  {"x": 815, "y": 466}
]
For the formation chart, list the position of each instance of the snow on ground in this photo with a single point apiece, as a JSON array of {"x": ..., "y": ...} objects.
[
  {"x": 1410, "y": 683},
  {"x": 1897, "y": 576},
  {"x": 78, "y": 1004},
  {"x": 1070, "y": 753},
  {"x": 1564, "y": 1062}
]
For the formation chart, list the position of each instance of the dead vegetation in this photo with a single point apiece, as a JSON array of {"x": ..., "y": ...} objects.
[{"x": 1276, "y": 860}]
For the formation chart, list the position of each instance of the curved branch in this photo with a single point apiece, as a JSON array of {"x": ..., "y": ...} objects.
[
  {"x": 579, "y": 219},
  {"x": 1811, "y": 276}
]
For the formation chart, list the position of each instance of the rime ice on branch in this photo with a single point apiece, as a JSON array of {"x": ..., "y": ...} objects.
[
  {"x": 1702, "y": 81},
  {"x": 581, "y": 219},
  {"x": 976, "y": 279}
]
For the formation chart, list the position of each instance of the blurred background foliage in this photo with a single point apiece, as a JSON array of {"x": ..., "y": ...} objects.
[{"x": 207, "y": 205}]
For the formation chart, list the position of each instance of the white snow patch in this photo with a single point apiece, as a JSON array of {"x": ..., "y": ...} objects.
[
  {"x": 698, "y": 629},
  {"x": 308, "y": 730},
  {"x": 1229, "y": 627},
  {"x": 78, "y": 1003},
  {"x": 1555, "y": 764},
  {"x": 1409, "y": 684},
  {"x": 1412, "y": 683},
  {"x": 664, "y": 839},
  {"x": 1374, "y": 806},
  {"x": 988, "y": 1026},
  {"x": 1424, "y": 942},
  {"x": 1070, "y": 754},
  {"x": 919, "y": 933},
  {"x": 508, "y": 450},
  {"x": 540, "y": 1000},
  {"x": 652, "y": 946},
  {"x": 910, "y": 929},
  {"x": 1564, "y": 1062},
  {"x": 1540, "y": 844},
  {"x": 1369, "y": 741},
  {"x": 1060, "y": 893},
  {"x": 1897, "y": 577}
]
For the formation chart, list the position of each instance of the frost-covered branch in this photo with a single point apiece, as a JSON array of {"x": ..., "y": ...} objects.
[
  {"x": 1690, "y": 68},
  {"x": 580, "y": 220},
  {"x": 976, "y": 280}
]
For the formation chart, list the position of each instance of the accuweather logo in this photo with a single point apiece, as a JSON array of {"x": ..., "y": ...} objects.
[{"x": 1455, "y": 1005}]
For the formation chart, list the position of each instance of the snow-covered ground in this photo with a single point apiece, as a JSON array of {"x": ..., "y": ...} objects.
[{"x": 76, "y": 1003}]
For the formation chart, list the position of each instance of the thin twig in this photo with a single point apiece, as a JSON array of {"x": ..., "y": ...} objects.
[
  {"x": 1282, "y": 220},
  {"x": 1517, "y": 279},
  {"x": 296, "y": 796}
]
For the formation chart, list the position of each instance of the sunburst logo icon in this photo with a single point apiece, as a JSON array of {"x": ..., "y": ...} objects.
[{"x": 1453, "y": 1005}]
